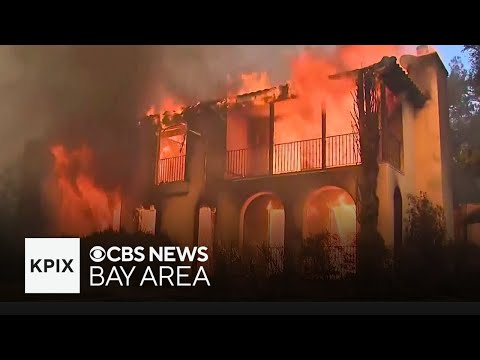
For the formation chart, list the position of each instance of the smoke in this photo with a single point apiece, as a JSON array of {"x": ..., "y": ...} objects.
[{"x": 95, "y": 94}]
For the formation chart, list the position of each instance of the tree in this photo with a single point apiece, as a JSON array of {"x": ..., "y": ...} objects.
[
  {"x": 464, "y": 110},
  {"x": 366, "y": 118},
  {"x": 469, "y": 154},
  {"x": 474, "y": 53}
]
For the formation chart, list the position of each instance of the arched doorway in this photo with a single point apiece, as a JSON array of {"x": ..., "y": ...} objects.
[
  {"x": 397, "y": 222},
  {"x": 262, "y": 230},
  {"x": 331, "y": 209}
]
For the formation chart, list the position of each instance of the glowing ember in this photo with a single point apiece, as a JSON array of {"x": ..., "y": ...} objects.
[{"x": 80, "y": 206}]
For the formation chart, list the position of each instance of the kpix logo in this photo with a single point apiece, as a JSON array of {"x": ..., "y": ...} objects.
[{"x": 52, "y": 265}]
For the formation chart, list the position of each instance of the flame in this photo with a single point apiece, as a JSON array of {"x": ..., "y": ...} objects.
[
  {"x": 151, "y": 111},
  {"x": 169, "y": 104},
  {"x": 168, "y": 147},
  {"x": 79, "y": 205},
  {"x": 301, "y": 118},
  {"x": 345, "y": 219},
  {"x": 254, "y": 81}
]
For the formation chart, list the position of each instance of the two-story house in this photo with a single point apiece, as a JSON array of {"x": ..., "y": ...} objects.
[{"x": 227, "y": 177}]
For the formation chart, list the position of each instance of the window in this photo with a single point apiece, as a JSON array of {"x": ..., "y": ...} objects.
[{"x": 172, "y": 146}]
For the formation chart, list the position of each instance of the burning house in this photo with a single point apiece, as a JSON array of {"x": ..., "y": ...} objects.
[
  {"x": 267, "y": 166},
  {"x": 274, "y": 166}
]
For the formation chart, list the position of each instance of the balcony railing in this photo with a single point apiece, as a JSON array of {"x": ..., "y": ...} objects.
[
  {"x": 297, "y": 156},
  {"x": 237, "y": 163},
  {"x": 342, "y": 150},
  {"x": 171, "y": 169}
]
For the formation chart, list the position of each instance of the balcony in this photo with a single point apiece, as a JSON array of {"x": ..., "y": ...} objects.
[
  {"x": 297, "y": 156},
  {"x": 171, "y": 169}
]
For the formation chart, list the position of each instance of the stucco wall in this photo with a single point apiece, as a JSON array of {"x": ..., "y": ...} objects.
[
  {"x": 425, "y": 167},
  {"x": 177, "y": 202},
  {"x": 431, "y": 154},
  {"x": 292, "y": 189}
]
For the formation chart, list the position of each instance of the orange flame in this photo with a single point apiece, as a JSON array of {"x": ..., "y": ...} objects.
[
  {"x": 80, "y": 206},
  {"x": 253, "y": 82},
  {"x": 345, "y": 219},
  {"x": 169, "y": 104},
  {"x": 301, "y": 118}
]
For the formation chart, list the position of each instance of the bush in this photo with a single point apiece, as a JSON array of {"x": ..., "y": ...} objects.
[
  {"x": 316, "y": 255},
  {"x": 425, "y": 222},
  {"x": 423, "y": 258}
]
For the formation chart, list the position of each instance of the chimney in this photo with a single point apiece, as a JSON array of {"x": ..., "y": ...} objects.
[{"x": 422, "y": 50}]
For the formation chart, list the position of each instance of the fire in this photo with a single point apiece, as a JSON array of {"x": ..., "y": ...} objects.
[
  {"x": 254, "y": 81},
  {"x": 310, "y": 82},
  {"x": 345, "y": 219},
  {"x": 80, "y": 206},
  {"x": 298, "y": 121},
  {"x": 301, "y": 118},
  {"x": 169, "y": 145},
  {"x": 169, "y": 104}
]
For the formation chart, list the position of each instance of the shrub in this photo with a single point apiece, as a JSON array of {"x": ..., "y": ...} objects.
[
  {"x": 425, "y": 222},
  {"x": 316, "y": 255},
  {"x": 423, "y": 257}
]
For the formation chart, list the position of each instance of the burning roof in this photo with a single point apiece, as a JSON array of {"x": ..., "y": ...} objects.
[
  {"x": 389, "y": 70},
  {"x": 395, "y": 77}
]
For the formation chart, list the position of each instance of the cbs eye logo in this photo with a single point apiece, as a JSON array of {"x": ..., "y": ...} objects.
[{"x": 97, "y": 254}]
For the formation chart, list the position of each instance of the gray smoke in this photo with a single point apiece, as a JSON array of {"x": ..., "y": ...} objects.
[{"x": 95, "y": 95}]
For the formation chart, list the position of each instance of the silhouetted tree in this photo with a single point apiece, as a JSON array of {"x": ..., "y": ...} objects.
[
  {"x": 474, "y": 53},
  {"x": 366, "y": 118},
  {"x": 465, "y": 109}
]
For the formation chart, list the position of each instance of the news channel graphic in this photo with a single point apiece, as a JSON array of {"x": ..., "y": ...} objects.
[{"x": 52, "y": 266}]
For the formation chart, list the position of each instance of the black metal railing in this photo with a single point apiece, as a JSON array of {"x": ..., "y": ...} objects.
[
  {"x": 297, "y": 156},
  {"x": 171, "y": 169},
  {"x": 342, "y": 150},
  {"x": 237, "y": 163}
]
